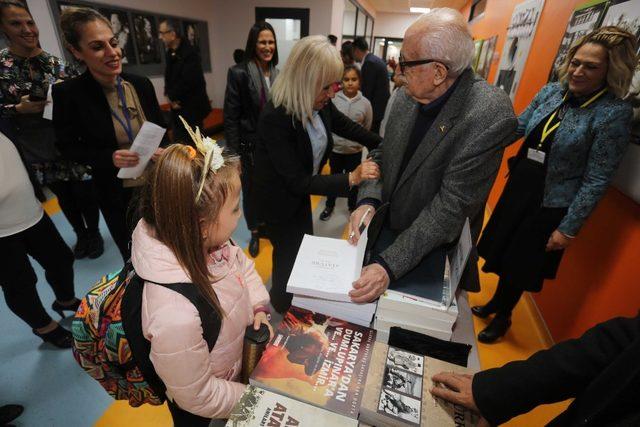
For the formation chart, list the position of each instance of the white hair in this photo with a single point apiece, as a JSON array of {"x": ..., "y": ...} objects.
[
  {"x": 443, "y": 35},
  {"x": 312, "y": 64}
]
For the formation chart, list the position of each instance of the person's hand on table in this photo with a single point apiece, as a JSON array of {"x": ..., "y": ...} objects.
[
  {"x": 354, "y": 222},
  {"x": 457, "y": 390},
  {"x": 372, "y": 283},
  {"x": 157, "y": 154},
  {"x": 125, "y": 158},
  {"x": 557, "y": 241},
  {"x": 30, "y": 107}
]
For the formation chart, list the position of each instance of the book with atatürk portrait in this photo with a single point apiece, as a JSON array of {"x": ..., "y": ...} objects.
[
  {"x": 317, "y": 359},
  {"x": 258, "y": 407},
  {"x": 397, "y": 392}
]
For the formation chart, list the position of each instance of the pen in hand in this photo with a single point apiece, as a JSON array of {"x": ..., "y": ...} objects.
[{"x": 361, "y": 224}]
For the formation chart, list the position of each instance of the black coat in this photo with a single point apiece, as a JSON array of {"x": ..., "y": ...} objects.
[
  {"x": 241, "y": 110},
  {"x": 283, "y": 175},
  {"x": 184, "y": 82},
  {"x": 601, "y": 370},
  {"x": 83, "y": 123},
  {"x": 375, "y": 84}
]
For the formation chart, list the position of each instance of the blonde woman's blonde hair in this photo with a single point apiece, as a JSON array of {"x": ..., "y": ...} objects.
[
  {"x": 621, "y": 52},
  {"x": 313, "y": 64}
]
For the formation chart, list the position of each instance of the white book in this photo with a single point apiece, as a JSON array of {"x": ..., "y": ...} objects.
[
  {"x": 361, "y": 314},
  {"x": 398, "y": 301},
  {"x": 326, "y": 268},
  {"x": 423, "y": 319}
]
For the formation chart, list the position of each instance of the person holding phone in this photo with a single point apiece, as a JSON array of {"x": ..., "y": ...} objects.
[{"x": 26, "y": 72}]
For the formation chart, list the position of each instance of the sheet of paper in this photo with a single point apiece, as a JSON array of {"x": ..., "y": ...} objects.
[
  {"x": 48, "y": 109},
  {"x": 146, "y": 143}
]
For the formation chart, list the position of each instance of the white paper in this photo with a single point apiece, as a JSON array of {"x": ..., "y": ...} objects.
[
  {"x": 326, "y": 267},
  {"x": 146, "y": 143},
  {"x": 48, "y": 108},
  {"x": 458, "y": 261}
]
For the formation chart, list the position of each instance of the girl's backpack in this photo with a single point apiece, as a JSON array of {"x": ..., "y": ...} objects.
[{"x": 107, "y": 336}]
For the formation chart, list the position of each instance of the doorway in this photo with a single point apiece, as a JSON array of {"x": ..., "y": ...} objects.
[{"x": 290, "y": 25}]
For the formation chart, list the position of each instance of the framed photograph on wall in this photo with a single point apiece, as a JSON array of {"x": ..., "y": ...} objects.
[
  {"x": 486, "y": 57},
  {"x": 146, "y": 37},
  {"x": 122, "y": 30}
]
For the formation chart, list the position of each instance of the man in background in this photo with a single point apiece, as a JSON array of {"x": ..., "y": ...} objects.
[
  {"x": 184, "y": 82},
  {"x": 375, "y": 80}
]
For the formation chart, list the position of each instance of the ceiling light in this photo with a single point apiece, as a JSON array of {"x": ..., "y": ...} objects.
[{"x": 419, "y": 10}]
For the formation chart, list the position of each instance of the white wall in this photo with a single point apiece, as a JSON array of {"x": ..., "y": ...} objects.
[
  {"x": 195, "y": 9},
  {"x": 393, "y": 24}
]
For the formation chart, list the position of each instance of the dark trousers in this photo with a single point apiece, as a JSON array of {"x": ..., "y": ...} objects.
[
  {"x": 18, "y": 279},
  {"x": 248, "y": 202},
  {"x": 505, "y": 299},
  {"x": 79, "y": 205},
  {"x": 114, "y": 202},
  {"x": 182, "y": 418},
  {"x": 286, "y": 238},
  {"x": 344, "y": 163}
]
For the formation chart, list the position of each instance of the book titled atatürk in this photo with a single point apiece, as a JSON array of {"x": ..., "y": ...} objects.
[
  {"x": 258, "y": 407},
  {"x": 397, "y": 392},
  {"x": 317, "y": 359}
]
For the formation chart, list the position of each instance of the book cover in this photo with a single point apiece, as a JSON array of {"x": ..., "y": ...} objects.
[
  {"x": 318, "y": 359},
  {"x": 258, "y": 407},
  {"x": 397, "y": 391}
]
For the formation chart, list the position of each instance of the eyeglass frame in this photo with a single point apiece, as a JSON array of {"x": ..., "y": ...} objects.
[{"x": 407, "y": 64}]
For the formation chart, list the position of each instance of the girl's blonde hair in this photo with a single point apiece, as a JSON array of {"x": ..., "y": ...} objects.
[
  {"x": 621, "y": 52},
  {"x": 313, "y": 64},
  {"x": 168, "y": 204}
]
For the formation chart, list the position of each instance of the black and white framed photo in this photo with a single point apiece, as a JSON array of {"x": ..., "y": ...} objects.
[
  {"x": 146, "y": 37},
  {"x": 121, "y": 26}
]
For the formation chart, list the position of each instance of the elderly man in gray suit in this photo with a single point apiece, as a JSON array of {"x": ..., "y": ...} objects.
[{"x": 442, "y": 149}]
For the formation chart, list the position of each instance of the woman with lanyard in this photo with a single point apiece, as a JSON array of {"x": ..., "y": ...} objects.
[
  {"x": 295, "y": 139},
  {"x": 98, "y": 115},
  {"x": 26, "y": 72},
  {"x": 576, "y": 132},
  {"x": 248, "y": 86}
]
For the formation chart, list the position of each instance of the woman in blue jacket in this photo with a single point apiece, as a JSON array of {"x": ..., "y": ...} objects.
[{"x": 576, "y": 132}]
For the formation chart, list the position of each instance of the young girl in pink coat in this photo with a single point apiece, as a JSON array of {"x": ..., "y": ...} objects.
[{"x": 190, "y": 207}]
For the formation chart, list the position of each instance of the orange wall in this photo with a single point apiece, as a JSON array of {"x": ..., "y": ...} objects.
[{"x": 600, "y": 274}]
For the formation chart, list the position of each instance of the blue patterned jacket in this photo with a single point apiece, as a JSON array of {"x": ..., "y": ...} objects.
[{"x": 585, "y": 152}]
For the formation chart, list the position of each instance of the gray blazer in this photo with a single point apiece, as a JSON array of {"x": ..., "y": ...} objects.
[{"x": 450, "y": 175}]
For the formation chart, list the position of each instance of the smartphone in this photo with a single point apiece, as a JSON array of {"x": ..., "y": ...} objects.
[{"x": 38, "y": 91}]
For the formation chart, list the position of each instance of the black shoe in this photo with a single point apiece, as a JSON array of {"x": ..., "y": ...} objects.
[
  {"x": 9, "y": 413},
  {"x": 96, "y": 245},
  {"x": 80, "y": 250},
  {"x": 60, "y": 309},
  {"x": 326, "y": 213},
  {"x": 482, "y": 311},
  {"x": 254, "y": 245},
  {"x": 59, "y": 337},
  {"x": 496, "y": 329}
]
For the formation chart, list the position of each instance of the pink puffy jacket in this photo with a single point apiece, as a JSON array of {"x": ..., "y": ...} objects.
[{"x": 199, "y": 381}]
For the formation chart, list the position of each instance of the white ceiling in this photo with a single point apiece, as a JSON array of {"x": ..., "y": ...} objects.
[{"x": 402, "y": 6}]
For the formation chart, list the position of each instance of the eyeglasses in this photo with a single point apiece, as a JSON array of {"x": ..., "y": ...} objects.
[
  {"x": 336, "y": 86},
  {"x": 406, "y": 64}
]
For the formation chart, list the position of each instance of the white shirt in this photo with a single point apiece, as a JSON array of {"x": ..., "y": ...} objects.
[
  {"x": 357, "y": 109},
  {"x": 19, "y": 207},
  {"x": 318, "y": 137}
]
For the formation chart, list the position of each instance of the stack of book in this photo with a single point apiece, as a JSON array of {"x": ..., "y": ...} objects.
[
  {"x": 397, "y": 391},
  {"x": 424, "y": 300},
  {"x": 317, "y": 359},
  {"x": 323, "y": 276}
]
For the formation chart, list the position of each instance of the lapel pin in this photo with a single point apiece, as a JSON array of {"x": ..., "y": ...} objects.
[{"x": 442, "y": 128}]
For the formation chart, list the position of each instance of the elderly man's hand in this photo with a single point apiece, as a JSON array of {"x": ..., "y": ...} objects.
[
  {"x": 354, "y": 222},
  {"x": 372, "y": 283},
  {"x": 456, "y": 389}
]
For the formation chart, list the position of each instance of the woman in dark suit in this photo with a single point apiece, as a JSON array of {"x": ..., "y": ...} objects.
[
  {"x": 294, "y": 141},
  {"x": 98, "y": 115},
  {"x": 576, "y": 132},
  {"x": 248, "y": 86}
]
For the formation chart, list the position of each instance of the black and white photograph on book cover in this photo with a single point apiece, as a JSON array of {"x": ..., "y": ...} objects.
[
  {"x": 398, "y": 406},
  {"x": 402, "y": 382},
  {"x": 405, "y": 360}
]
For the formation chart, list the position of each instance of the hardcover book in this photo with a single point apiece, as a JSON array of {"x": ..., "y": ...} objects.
[
  {"x": 317, "y": 359},
  {"x": 397, "y": 391},
  {"x": 258, "y": 407}
]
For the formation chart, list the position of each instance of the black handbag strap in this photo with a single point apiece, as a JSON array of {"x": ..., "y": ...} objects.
[{"x": 131, "y": 312}]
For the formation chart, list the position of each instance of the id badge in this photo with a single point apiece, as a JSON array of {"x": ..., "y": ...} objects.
[{"x": 535, "y": 155}]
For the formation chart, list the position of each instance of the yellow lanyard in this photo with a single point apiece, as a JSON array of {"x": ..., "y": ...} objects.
[{"x": 546, "y": 130}]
